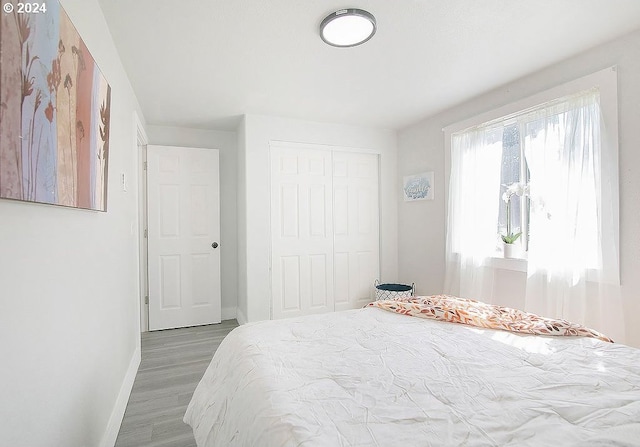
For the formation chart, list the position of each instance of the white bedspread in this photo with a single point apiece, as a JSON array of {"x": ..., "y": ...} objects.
[{"x": 369, "y": 377}]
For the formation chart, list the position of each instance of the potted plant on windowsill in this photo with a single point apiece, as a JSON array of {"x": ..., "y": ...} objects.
[{"x": 509, "y": 239}]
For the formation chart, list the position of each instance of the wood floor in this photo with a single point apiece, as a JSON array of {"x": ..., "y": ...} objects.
[{"x": 173, "y": 362}]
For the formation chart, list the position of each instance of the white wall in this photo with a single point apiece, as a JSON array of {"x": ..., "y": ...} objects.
[
  {"x": 421, "y": 241},
  {"x": 69, "y": 319},
  {"x": 423, "y": 145},
  {"x": 226, "y": 143},
  {"x": 254, "y": 165}
]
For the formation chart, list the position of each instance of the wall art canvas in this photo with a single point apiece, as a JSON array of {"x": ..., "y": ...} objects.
[
  {"x": 418, "y": 187},
  {"x": 54, "y": 111}
]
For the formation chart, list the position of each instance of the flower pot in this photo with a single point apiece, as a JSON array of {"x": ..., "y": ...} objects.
[{"x": 510, "y": 251}]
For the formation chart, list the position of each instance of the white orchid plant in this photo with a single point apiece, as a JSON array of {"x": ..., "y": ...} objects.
[{"x": 520, "y": 190}]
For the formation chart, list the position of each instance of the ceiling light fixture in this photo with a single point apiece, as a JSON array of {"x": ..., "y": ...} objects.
[{"x": 348, "y": 27}]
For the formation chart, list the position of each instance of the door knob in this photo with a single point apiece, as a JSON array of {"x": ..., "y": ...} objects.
[{"x": 214, "y": 245}]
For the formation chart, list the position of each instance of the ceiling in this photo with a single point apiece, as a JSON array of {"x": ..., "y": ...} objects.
[{"x": 204, "y": 63}]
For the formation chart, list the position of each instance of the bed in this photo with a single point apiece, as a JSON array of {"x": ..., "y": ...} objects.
[{"x": 374, "y": 377}]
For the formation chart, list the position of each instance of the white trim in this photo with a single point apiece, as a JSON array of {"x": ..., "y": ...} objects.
[
  {"x": 240, "y": 317},
  {"x": 228, "y": 313},
  {"x": 115, "y": 421},
  {"x": 141, "y": 134},
  {"x": 140, "y": 141}
]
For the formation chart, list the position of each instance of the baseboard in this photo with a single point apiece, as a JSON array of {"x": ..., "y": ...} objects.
[
  {"x": 240, "y": 317},
  {"x": 228, "y": 313},
  {"x": 113, "y": 427}
]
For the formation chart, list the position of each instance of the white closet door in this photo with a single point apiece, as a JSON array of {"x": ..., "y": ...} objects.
[
  {"x": 184, "y": 230},
  {"x": 356, "y": 217},
  {"x": 302, "y": 234},
  {"x": 325, "y": 230}
]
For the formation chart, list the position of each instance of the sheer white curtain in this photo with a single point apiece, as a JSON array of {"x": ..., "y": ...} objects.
[
  {"x": 473, "y": 211},
  {"x": 572, "y": 259}
]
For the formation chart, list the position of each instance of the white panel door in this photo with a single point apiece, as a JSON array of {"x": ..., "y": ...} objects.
[
  {"x": 356, "y": 228},
  {"x": 183, "y": 231},
  {"x": 301, "y": 231}
]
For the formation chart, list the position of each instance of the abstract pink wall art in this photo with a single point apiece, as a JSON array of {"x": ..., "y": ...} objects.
[{"x": 54, "y": 111}]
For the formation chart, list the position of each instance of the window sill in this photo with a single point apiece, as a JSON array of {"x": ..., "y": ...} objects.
[
  {"x": 498, "y": 261},
  {"x": 514, "y": 264}
]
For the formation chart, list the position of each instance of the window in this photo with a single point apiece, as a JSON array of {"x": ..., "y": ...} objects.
[
  {"x": 556, "y": 139},
  {"x": 555, "y": 145},
  {"x": 513, "y": 169}
]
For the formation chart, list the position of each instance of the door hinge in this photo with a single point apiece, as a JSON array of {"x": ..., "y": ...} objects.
[
  {"x": 145, "y": 165},
  {"x": 145, "y": 233},
  {"x": 146, "y": 299}
]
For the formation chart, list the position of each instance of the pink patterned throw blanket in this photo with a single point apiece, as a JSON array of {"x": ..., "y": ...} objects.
[{"x": 489, "y": 316}]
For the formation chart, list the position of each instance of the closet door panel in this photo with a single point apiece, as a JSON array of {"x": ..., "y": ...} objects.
[
  {"x": 301, "y": 230},
  {"x": 356, "y": 239}
]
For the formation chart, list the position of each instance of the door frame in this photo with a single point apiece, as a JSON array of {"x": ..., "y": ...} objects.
[
  {"x": 326, "y": 147},
  {"x": 140, "y": 146}
]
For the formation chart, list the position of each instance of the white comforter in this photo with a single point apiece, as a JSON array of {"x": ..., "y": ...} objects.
[{"x": 369, "y": 377}]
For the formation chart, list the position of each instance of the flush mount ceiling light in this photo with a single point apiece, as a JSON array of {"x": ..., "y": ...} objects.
[{"x": 348, "y": 27}]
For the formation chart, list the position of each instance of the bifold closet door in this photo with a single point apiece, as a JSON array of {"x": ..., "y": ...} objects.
[
  {"x": 324, "y": 229},
  {"x": 356, "y": 228},
  {"x": 301, "y": 232}
]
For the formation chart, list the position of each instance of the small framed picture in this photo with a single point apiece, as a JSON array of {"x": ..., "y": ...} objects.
[{"x": 418, "y": 187}]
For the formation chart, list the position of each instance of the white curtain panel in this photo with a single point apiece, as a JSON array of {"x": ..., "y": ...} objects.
[
  {"x": 473, "y": 188},
  {"x": 572, "y": 260},
  {"x": 572, "y": 270}
]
